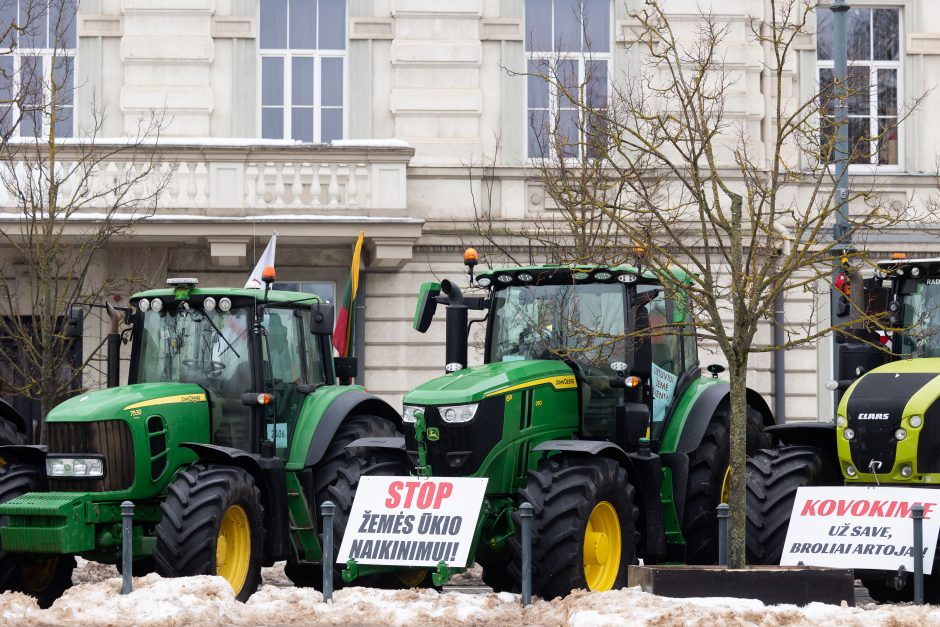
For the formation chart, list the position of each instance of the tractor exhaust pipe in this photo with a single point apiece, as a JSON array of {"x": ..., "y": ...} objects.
[
  {"x": 114, "y": 347},
  {"x": 456, "y": 325}
]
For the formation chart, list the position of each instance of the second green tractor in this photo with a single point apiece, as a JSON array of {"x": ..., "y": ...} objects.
[{"x": 591, "y": 406}]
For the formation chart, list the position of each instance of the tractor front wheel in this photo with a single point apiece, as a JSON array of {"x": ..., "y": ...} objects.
[
  {"x": 212, "y": 524},
  {"x": 583, "y": 526},
  {"x": 773, "y": 477},
  {"x": 44, "y": 577}
]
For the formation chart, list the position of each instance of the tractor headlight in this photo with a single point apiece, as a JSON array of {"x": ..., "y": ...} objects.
[
  {"x": 408, "y": 413},
  {"x": 906, "y": 471},
  {"x": 916, "y": 421},
  {"x": 458, "y": 413},
  {"x": 143, "y": 304},
  {"x": 841, "y": 422},
  {"x": 900, "y": 434},
  {"x": 850, "y": 471},
  {"x": 74, "y": 467},
  {"x": 208, "y": 304},
  {"x": 849, "y": 433},
  {"x": 157, "y": 305}
]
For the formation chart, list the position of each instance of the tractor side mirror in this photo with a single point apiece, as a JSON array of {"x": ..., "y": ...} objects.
[
  {"x": 74, "y": 324},
  {"x": 427, "y": 305},
  {"x": 632, "y": 421},
  {"x": 321, "y": 319},
  {"x": 345, "y": 369}
]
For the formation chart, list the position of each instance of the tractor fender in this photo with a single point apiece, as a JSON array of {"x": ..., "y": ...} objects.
[
  {"x": 394, "y": 443},
  {"x": 352, "y": 402},
  {"x": 271, "y": 477},
  {"x": 704, "y": 408},
  {"x": 8, "y": 412},
  {"x": 645, "y": 471},
  {"x": 821, "y": 435},
  {"x": 23, "y": 453}
]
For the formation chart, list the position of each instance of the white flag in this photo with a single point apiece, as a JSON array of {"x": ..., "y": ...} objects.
[{"x": 267, "y": 259}]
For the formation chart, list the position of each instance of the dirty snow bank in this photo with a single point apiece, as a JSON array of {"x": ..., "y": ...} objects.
[{"x": 210, "y": 601}]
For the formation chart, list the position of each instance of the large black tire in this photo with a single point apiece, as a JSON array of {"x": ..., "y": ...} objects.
[
  {"x": 708, "y": 464},
  {"x": 9, "y": 434},
  {"x": 498, "y": 577},
  {"x": 44, "y": 577},
  {"x": 564, "y": 493},
  {"x": 773, "y": 477},
  {"x": 211, "y": 518},
  {"x": 336, "y": 477}
]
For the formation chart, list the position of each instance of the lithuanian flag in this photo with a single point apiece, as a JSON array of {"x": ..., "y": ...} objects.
[{"x": 344, "y": 333}]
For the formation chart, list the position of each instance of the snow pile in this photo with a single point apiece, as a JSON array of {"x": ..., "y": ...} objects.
[{"x": 210, "y": 601}]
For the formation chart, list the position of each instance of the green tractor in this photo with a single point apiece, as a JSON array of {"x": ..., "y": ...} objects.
[
  {"x": 231, "y": 432},
  {"x": 887, "y": 427},
  {"x": 590, "y": 405}
]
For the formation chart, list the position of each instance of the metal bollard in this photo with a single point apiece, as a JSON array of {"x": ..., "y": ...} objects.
[
  {"x": 127, "y": 546},
  {"x": 327, "y": 510},
  {"x": 917, "y": 513},
  {"x": 525, "y": 514},
  {"x": 723, "y": 534}
]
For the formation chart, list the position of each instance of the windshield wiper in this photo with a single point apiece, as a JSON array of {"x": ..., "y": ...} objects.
[{"x": 206, "y": 317}]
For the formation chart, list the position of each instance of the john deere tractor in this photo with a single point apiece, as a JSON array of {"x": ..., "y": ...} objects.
[
  {"x": 591, "y": 406},
  {"x": 887, "y": 426},
  {"x": 231, "y": 431}
]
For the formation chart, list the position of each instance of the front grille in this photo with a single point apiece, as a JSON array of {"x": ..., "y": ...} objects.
[
  {"x": 881, "y": 397},
  {"x": 109, "y": 438},
  {"x": 462, "y": 447}
]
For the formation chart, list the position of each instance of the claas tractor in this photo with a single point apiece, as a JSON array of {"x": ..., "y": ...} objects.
[
  {"x": 887, "y": 425},
  {"x": 231, "y": 431},
  {"x": 591, "y": 406}
]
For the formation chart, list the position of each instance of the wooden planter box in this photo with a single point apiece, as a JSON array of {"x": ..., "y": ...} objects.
[{"x": 797, "y": 585}]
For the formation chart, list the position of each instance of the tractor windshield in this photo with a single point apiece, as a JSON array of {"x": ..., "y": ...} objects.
[
  {"x": 187, "y": 344},
  {"x": 580, "y": 322},
  {"x": 921, "y": 322}
]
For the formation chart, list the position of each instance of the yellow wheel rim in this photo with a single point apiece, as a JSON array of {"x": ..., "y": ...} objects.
[
  {"x": 725, "y": 496},
  {"x": 39, "y": 572},
  {"x": 412, "y": 578},
  {"x": 233, "y": 547},
  {"x": 602, "y": 547}
]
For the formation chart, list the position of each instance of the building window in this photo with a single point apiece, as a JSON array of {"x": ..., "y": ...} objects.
[
  {"x": 303, "y": 66},
  {"x": 324, "y": 289},
  {"x": 568, "y": 42},
  {"x": 874, "y": 72},
  {"x": 37, "y": 61}
]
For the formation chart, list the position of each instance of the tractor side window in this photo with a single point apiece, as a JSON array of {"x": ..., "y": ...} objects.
[
  {"x": 921, "y": 320},
  {"x": 666, "y": 356},
  {"x": 282, "y": 372},
  {"x": 690, "y": 346},
  {"x": 315, "y": 370}
]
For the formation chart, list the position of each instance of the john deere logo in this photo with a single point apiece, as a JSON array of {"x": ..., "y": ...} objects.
[{"x": 433, "y": 434}]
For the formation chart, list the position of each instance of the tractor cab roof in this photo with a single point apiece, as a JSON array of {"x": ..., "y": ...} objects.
[
  {"x": 914, "y": 268},
  {"x": 274, "y": 296},
  {"x": 558, "y": 274}
]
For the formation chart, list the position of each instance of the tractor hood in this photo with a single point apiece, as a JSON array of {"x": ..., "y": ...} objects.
[
  {"x": 474, "y": 384},
  {"x": 879, "y": 407},
  {"x": 118, "y": 402}
]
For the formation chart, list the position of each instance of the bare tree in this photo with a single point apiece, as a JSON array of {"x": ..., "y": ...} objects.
[
  {"x": 678, "y": 180},
  {"x": 66, "y": 199}
]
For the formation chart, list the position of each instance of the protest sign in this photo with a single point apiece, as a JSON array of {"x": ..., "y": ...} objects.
[
  {"x": 412, "y": 521},
  {"x": 860, "y": 527}
]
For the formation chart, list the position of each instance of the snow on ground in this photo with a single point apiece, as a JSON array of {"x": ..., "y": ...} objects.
[{"x": 96, "y": 600}]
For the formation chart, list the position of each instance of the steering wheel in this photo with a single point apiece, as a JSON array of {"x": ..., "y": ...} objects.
[{"x": 210, "y": 366}]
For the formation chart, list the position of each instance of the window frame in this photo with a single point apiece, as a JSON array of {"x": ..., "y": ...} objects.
[
  {"x": 317, "y": 55},
  {"x": 47, "y": 54},
  {"x": 873, "y": 66},
  {"x": 581, "y": 58}
]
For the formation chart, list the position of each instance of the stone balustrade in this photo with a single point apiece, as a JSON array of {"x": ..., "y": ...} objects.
[{"x": 237, "y": 180}]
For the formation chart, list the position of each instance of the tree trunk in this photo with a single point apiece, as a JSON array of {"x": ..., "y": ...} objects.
[{"x": 737, "y": 370}]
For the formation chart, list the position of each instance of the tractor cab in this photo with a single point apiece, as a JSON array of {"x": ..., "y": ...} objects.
[{"x": 253, "y": 353}]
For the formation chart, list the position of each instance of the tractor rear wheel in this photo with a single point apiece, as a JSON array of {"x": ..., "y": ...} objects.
[
  {"x": 9, "y": 434},
  {"x": 44, "y": 577},
  {"x": 336, "y": 477},
  {"x": 773, "y": 477},
  {"x": 583, "y": 527},
  {"x": 708, "y": 471},
  {"x": 212, "y": 524}
]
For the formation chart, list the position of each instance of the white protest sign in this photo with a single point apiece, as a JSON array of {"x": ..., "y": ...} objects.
[
  {"x": 860, "y": 527},
  {"x": 412, "y": 521},
  {"x": 664, "y": 382}
]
